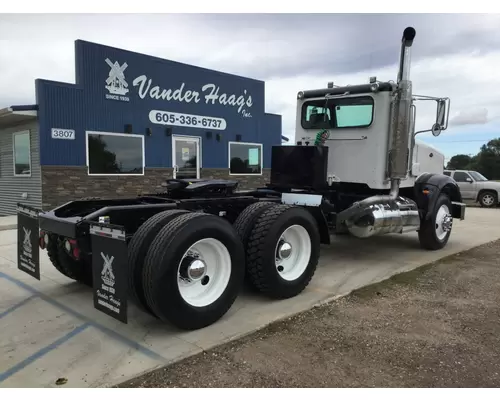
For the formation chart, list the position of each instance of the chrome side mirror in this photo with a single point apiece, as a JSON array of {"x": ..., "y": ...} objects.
[{"x": 442, "y": 113}]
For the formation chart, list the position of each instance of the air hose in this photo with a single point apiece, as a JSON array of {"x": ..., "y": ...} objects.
[{"x": 321, "y": 137}]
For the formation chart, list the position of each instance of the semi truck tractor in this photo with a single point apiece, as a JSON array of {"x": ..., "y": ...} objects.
[{"x": 183, "y": 253}]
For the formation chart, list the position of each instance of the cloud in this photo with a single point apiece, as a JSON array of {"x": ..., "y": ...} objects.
[
  {"x": 471, "y": 117},
  {"x": 466, "y": 79},
  {"x": 453, "y": 55}
]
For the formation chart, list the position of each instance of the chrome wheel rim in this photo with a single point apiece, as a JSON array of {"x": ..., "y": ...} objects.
[{"x": 444, "y": 222}]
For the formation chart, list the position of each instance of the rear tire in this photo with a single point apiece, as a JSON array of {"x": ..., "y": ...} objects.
[
  {"x": 187, "y": 291},
  {"x": 434, "y": 233},
  {"x": 138, "y": 248},
  {"x": 283, "y": 251},
  {"x": 245, "y": 223},
  {"x": 246, "y": 220}
]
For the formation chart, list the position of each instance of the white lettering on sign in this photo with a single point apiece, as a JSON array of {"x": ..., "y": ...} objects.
[
  {"x": 63, "y": 134},
  {"x": 117, "y": 86},
  {"x": 211, "y": 92},
  {"x": 193, "y": 121}
]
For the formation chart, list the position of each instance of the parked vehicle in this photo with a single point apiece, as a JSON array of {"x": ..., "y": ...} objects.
[
  {"x": 476, "y": 187},
  {"x": 182, "y": 255}
]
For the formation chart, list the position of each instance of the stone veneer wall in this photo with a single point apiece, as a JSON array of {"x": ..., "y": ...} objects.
[
  {"x": 245, "y": 181},
  {"x": 61, "y": 184}
]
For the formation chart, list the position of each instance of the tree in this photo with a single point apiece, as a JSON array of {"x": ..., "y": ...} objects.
[
  {"x": 487, "y": 161},
  {"x": 460, "y": 161}
]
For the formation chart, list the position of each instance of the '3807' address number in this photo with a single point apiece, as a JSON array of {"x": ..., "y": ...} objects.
[{"x": 194, "y": 121}]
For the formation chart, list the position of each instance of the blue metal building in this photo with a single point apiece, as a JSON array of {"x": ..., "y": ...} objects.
[{"x": 130, "y": 122}]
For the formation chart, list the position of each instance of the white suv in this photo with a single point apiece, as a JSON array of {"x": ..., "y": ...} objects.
[{"x": 475, "y": 186}]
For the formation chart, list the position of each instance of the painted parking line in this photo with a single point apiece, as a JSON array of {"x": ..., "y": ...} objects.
[
  {"x": 16, "y": 306},
  {"x": 40, "y": 353},
  {"x": 129, "y": 342}
]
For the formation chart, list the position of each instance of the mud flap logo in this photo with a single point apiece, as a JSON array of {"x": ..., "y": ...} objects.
[
  {"x": 27, "y": 241},
  {"x": 107, "y": 270}
]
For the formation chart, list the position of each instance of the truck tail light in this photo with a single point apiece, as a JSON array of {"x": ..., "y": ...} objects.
[
  {"x": 43, "y": 240},
  {"x": 72, "y": 248}
]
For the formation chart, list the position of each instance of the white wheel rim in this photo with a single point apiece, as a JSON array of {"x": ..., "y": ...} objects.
[
  {"x": 293, "y": 252},
  {"x": 204, "y": 272},
  {"x": 444, "y": 222},
  {"x": 488, "y": 199}
]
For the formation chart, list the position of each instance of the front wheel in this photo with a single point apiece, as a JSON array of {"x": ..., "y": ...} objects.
[{"x": 435, "y": 231}]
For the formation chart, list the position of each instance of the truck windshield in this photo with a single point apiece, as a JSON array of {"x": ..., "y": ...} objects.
[
  {"x": 477, "y": 176},
  {"x": 354, "y": 112}
]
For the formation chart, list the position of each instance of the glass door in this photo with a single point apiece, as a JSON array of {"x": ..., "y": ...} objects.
[{"x": 186, "y": 157}]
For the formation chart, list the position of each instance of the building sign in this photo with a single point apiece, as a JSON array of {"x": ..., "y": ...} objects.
[
  {"x": 116, "y": 83},
  {"x": 68, "y": 134},
  {"x": 118, "y": 87},
  {"x": 253, "y": 157},
  {"x": 191, "y": 120}
]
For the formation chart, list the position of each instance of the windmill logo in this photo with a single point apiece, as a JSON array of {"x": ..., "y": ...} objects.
[
  {"x": 107, "y": 270},
  {"x": 27, "y": 240},
  {"x": 116, "y": 82}
]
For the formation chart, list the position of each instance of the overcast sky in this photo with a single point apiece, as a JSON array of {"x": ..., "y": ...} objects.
[{"x": 453, "y": 55}]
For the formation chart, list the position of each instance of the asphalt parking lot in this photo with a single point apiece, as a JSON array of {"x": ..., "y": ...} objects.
[{"x": 50, "y": 329}]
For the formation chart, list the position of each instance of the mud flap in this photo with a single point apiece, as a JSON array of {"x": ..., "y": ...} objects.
[
  {"x": 109, "y": 269},
  {"x": 28, "y": 235}
]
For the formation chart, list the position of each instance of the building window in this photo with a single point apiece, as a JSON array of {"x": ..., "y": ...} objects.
[
  {"x": 22, "y": 153},
  {"x": 115, "y": 153},
  {"x": 245, "y": 158}
]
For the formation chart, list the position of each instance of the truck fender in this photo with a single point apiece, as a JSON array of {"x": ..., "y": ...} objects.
[{"x": 429, "y": 186}]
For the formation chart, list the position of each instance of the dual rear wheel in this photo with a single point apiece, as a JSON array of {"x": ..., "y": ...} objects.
[{"x": 187, "y": 268}]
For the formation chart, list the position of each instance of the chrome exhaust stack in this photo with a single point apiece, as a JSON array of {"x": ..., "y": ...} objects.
[
  {"x": 398, "y": 154},
  {"x": 390, "y": 213}
]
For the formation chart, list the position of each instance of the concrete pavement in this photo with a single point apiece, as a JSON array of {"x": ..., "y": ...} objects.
[
  {"x": 51, "y": 330},
  {"x": 7, "y": 223}
]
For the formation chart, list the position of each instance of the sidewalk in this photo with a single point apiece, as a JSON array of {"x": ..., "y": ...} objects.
[{"x": 7, "y": 223}]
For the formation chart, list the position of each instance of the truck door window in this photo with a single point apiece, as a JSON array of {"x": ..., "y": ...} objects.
[{"x": 461, "y": 176}]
